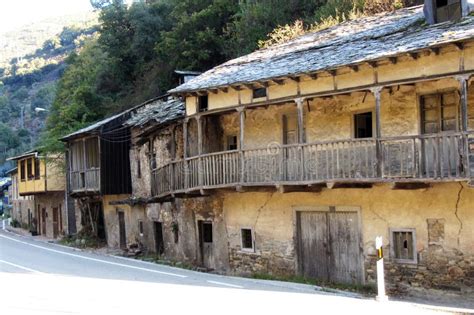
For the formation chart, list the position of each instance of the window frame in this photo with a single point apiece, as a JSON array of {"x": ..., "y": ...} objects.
[
  {"x": 29, "y": 169},
  {"x": 227, "y": 142},
  {"x": 247, "y": 249},
  {"x": 37, "y": 168},
  {"x": 200, "y": 108},
  {"x": 22, "y": 170},
  {"x": 439, "y": 94},
  {"x": 353, "y": 123},
  {"x": 258, "y": 94},
  {"x": 392, "y": 232}
]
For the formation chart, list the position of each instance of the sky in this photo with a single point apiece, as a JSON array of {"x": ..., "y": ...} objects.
[{"x": 15, "y": 13}]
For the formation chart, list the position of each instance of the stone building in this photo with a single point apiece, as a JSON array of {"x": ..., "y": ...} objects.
[
  {"x": 39, "y": 190},
  {"x": 295, "y": 157}
]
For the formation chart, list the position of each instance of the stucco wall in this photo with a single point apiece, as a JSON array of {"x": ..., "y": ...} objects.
[
  {"x": 49, "y": 201},
  {"x": 271, "y": 216}
]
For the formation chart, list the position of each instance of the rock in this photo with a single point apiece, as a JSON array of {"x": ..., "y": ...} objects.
[
  {"x": 83, "y": 242},
  {"x": 455, "y": 272}
]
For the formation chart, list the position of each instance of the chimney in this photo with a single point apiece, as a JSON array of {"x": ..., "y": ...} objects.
[
  {"x": 437, "y": 11},
  {"x": 185, "y": 76}
]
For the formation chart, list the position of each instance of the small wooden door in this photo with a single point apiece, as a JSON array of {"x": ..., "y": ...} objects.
[
  {"x": 55, "y": 222},
  {"x": 159, "y": 242},
  {"x": 329, "y": 246},
  {"x": 206, "y": 243},
  {"x": 122, "y": 234},
  {"x": 43, "y": 221}
]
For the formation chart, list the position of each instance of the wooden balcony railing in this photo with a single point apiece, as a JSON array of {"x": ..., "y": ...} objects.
[
  {"x": 85, "y": 180},
  {"x": 408, "y": 158}
]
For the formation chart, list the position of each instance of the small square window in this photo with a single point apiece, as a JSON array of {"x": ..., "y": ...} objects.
[
  {"x": 140, "y": 227},
  {"x": 232, "y": 143},
  {"x": 203, "y": 103},
  {"x": 403, "y": 245},
  {"x": 260, "y": 92},
  {"x": 37, "y": 169},
  {"x": 363, "y": 125},
  {"x": 247, "y": 239}
]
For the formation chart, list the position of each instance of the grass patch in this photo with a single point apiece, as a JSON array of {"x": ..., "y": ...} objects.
[
  {"x": 365, "y": 289},
  {"x": 157, "y": 259},
  {"x": 81, "y": 241}
]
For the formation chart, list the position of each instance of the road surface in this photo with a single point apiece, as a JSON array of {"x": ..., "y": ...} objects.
[{"x": 37, "y": 277}]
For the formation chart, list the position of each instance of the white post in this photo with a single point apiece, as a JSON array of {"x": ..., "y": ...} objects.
[
  {"x": 381, "y": 296},
  {"x": 3, "y": 221}
]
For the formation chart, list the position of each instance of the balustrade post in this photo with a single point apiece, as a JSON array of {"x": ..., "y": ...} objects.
[
  {"x": 464, "y": 82},
  {"x": 301, "y": 136},
  {"x": 241, "y": 111},
  {"x": 378, "y": 132}
]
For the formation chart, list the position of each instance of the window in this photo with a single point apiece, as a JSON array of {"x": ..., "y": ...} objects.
[
  {"x": 447, "y": 10},
  {"x": 92, "y": 153},
  {"x": 260, "y": 92},
  {"x": 139, "y": 166},
  {"x": 247, "y": 239},
  {"x": 22, "y": 170},
  {"x": 403, "y": 245},
  {"x": 140, "y": 227},
  {"x": 203, "y": 103},
  {"x": 439, "y": 112},
  {"x": 232, "y": 143},
  {"x": 29, "y": 168},
  {"x": 363, "y": 125},
  {"x": 207, "y": 232},
  {"x": 37, "y": 169}
]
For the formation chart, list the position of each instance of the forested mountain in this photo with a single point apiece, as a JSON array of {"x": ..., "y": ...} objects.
[
  {"x": 133, "y": 56},
  {"x": 31, "y": 62}
]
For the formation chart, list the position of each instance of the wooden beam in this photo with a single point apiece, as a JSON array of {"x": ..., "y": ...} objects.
[
  {"x": 372, "y": 64},
  {"x": 332, "y": 73},
  {"x": 236, "y": 87},
  {"x": 435, "y": 50},
  {"x": 278, "y": 81},
  {"x": 249, "y": 86},
  {"x": 354, "y": 68},
  {"x": 299, "y": 106},
  {"x": 409, "y": 185},
  {"x": 293, "y": 78},
  {"x": 414, "y": 55},
  {"x": 214, "y": 91},
  {"x": 459, "y": 45},
  {"x": 393, "y": 60},
  {"x": 224, "y": 90},
  {"x": 378, "y": 132}
]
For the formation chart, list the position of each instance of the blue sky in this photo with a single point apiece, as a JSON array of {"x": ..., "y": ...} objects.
[{"x": 15, "y": 13}]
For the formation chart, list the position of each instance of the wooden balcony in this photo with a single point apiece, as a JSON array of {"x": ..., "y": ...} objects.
[
  {"x": 85, "y": 181},
  {"x": 421, "y": 158}
]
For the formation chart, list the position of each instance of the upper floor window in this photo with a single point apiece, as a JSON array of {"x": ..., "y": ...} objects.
[
  {"x": 203, "y": 103},
  {"x": 363, "y": 125},
  {"x": 29, "y": 168},
  {"x": 22, "y": 170},
  {"x": 37, "y": 169},
  {"x": 232, "y": 143},
  {"x": 439, "y": 112},
  {"x": 260, "y": 92}
]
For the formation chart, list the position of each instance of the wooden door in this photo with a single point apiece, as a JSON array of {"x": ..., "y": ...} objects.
[
  {"x": 329, "y": 246},
  {"x": 206, "y": 243},
  {"x": 159, "y": 242},
  {"x": 313, "y": 246},
  {"x": 122, "y": 234},
  {"x": 55, "y": 222},
  {"x": 43, "y": 221}
]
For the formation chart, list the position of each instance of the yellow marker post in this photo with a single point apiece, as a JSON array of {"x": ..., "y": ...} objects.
[{"x": 381, "y": 296}]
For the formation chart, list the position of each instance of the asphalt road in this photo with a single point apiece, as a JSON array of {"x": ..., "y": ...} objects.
[{"x": 41, "y": 278}]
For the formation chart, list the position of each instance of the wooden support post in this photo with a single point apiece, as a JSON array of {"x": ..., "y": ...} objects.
[
  {"x": 241, "y": 111},
  {"x": 378, "y": 132},
  {"x": 301, "y": 136},
  {"x": 463, "y": 82},
  {"x": 200, "y": 166},
  {"x": 185, "y": 152}
]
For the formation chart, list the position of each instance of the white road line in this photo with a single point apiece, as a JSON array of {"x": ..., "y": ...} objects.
[
  {"x": 225, "y": 284},
  {"x": 96, "y": 260},
  {"x": 20, "y": 267}
]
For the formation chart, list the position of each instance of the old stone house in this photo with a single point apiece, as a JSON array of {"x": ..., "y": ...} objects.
[
  {"x": 39, "y": 194},
  {"x": 292, "y": 159}
]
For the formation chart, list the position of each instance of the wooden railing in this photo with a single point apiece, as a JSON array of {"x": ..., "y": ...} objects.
[
  {"x": 85, "y": 180},
  {"x": 423, "y": 157}
]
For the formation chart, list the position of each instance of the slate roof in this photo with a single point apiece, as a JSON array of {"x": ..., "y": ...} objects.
[
  {"x": 352, "y": 42},
  {"x": 161, "y": 111}
]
